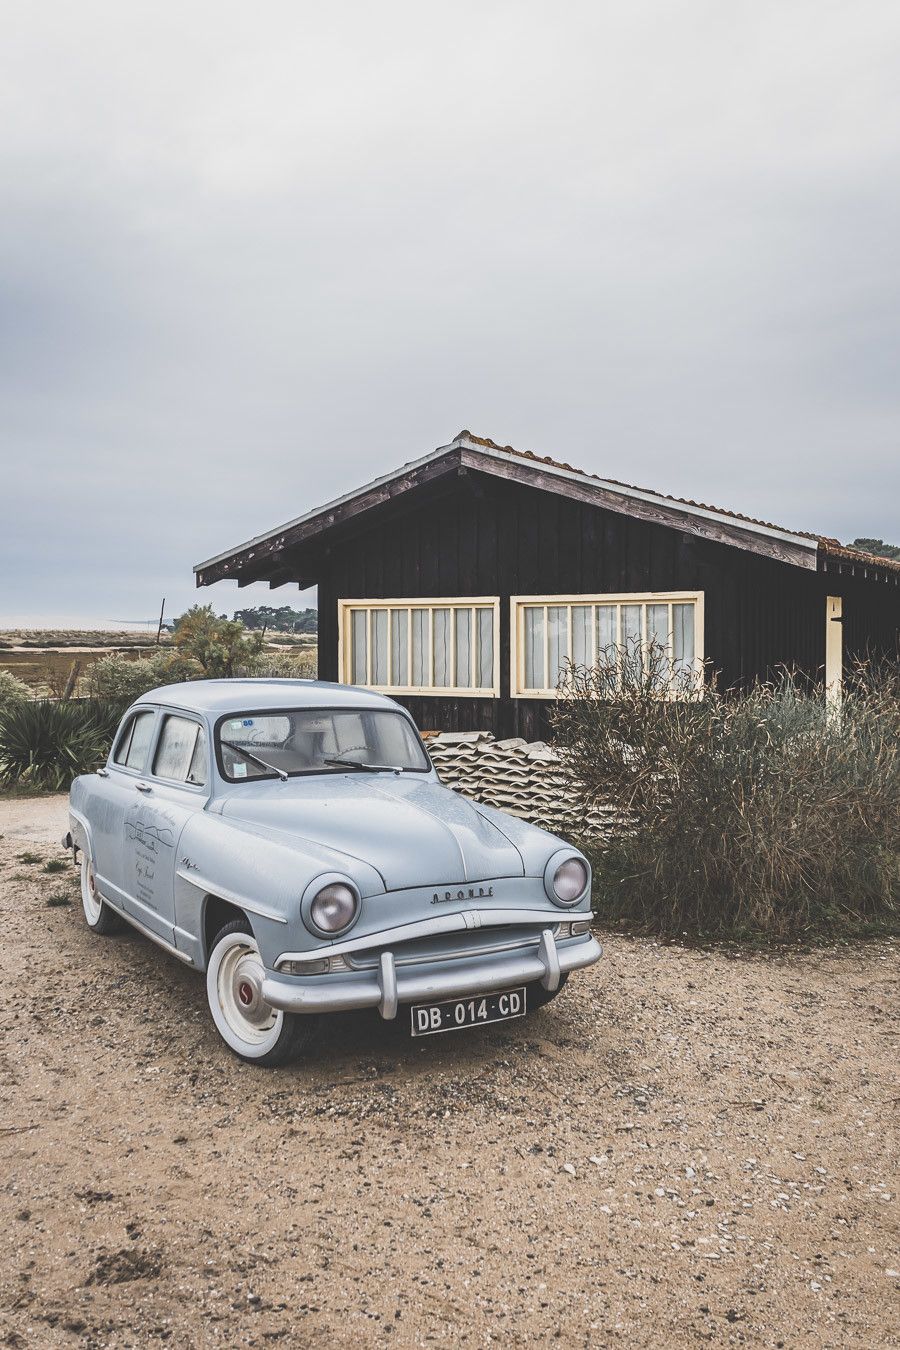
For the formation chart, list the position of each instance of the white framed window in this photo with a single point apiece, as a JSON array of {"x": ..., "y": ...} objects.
[
  {"x": 435, "y": 646},
  {"x": 551, "y": 632}
]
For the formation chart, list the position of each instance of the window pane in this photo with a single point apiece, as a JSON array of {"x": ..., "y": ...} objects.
[
  {"x": 632, "y": 645},
  {"x": 175, "y": 749},
  {"x": 606, "y": 634},
  {"x": 658, "y": 647},
  {"x": 399, "y": 648},
  {"x": 557, "y": 642},
  {"x": 380, "y": 647},
  {"x": 197, "y": 770},
  {"x": 683, "y": 637},
  {"x": 463, "y": 648},
  {"x": 441, "y": 647},
  {"x": 658, "y": 625},
  {"x": 142, "y": 734},
  {"x": 358, "y": 647},
  {"x": 534, "y": 647},
  {"x": 631, "y": 625},
  {"x": 581, "y": 635},
  {"x": 420, "y": 647},
  {"x": 484, "y": 676}
]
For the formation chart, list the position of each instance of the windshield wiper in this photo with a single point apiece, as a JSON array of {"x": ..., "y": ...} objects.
[
  {"x": 255, "y": 759},
  {"x": 355, "y": 764}
]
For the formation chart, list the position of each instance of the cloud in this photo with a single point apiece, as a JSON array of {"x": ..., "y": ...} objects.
[{"x": 250, "y": 258}]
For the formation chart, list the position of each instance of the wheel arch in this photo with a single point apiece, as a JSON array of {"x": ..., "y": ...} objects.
[{"x": 217, "y": 912}]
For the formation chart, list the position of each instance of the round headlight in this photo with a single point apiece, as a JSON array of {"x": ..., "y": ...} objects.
[
  {"x": 569, "y": 881},
  {"x": 334, "y": 908}
]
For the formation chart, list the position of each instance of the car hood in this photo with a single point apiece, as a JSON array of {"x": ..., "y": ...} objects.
[{"x": 412, "y": 830}]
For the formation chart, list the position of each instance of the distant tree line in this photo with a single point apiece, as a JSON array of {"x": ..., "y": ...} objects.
[
  {"x": 282, "y": 619},
  {"x": 878, "y": 547}
]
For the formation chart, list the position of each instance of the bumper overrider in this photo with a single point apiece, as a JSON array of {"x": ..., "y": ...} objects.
[{"x": 389, "y": 983}]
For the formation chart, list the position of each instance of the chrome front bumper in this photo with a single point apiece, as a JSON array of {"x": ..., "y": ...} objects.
[{"x": 389, "y": 985}]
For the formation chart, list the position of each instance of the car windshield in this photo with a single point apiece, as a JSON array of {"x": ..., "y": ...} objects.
[{"x": 317, "y": 740}]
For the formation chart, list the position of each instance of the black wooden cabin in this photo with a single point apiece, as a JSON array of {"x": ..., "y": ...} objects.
[{"x": 460, "y": 582}]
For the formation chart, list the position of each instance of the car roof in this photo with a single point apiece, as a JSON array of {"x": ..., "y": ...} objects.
[{"x": 225, "y": 696}]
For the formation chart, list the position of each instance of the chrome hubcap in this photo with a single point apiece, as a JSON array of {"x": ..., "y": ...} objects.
[{"x": 239, "y": 982}]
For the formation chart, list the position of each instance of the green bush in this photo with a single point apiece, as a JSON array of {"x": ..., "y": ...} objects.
[
  {"x": 115, "y": 677},
  {"x": 218, "y": 644},
  {"x": 772, "y": 813},
  {"x": 12, "y": 689},
  {"x": 45, "y": 744}
]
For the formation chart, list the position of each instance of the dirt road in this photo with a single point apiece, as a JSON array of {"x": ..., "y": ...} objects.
[{"x": 686, "y": 1147}]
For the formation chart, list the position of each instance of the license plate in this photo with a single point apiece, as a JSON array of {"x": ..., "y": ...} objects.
[{"x": 430, "y": 1018}]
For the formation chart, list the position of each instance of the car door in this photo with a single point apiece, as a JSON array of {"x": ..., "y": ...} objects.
[
  {"x": 166, "y": 797},
  {"x": 115, "y": 796}
]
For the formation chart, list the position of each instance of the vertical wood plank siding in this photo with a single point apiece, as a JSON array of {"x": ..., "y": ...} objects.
[{"x": 484, "y": 536}]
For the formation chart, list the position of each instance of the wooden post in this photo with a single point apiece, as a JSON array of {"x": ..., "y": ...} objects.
[
  {"x": 70, "y": 682},
  {"x": 162, "y": 610},
  {"x": 834, "y": 650}
]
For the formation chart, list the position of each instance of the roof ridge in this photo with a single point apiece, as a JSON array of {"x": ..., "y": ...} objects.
[{"x": 826, "y": 542}]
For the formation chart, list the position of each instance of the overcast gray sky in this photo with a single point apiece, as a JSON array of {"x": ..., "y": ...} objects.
[{"x": 254, "y": 255}]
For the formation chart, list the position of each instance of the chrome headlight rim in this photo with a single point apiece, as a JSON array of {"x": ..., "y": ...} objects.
[
  {"x": 314, "y": 889},
  {"x": 565, "y": 855}
]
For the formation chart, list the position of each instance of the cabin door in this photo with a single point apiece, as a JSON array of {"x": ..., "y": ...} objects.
[{"x": 834, "y": 647}]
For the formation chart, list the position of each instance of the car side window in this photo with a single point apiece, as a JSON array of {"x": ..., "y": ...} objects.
[
  {"x": 181, "y": 751},
  {"x": 134, "y": 742}
]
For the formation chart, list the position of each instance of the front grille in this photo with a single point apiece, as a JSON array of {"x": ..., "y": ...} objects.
[{"x": 451, "y": 946}]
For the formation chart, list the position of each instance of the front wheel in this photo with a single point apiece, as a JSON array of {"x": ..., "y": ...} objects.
[
  {"x": 100, "y": 918},
  {"x": 248, "y": 1025}
]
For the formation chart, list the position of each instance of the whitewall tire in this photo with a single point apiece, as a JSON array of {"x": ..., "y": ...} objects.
[
  {"x": 97, "y": 913},
  {"x": 249, "y": 1025}
]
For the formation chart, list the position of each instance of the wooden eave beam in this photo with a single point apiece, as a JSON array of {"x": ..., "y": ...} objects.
[
  {"x": 264, "y": 558},
  {"x": 656, "y": 513}
]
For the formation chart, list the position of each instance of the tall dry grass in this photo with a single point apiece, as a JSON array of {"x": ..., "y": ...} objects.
[{"x": 770, "y": 813}]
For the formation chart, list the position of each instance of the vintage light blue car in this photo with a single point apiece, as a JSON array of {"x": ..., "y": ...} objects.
[{"x": 292, "y": 839}]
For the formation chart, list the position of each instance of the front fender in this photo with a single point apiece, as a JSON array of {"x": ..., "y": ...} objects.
[{"x": 261, "y": 875}]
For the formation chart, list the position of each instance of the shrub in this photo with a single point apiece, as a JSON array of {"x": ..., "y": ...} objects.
[
  {"x": 218, "y": 644},
  {"x": 46, "y": 744},
  {"x": 12, "y": 689},
  {"x": 116, "y": 678},
  {"x": 770, "y": 813}
]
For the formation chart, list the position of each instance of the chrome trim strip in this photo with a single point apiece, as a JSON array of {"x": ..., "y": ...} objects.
[
  {"x": 233, "y": 898},
  {"x": 457, "y": 921},
  {"x": 154, "y": 937},
  {"x": 491, "y": 949}
]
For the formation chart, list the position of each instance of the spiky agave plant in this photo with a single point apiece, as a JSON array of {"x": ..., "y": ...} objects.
[{"x": 46, "y": 744}]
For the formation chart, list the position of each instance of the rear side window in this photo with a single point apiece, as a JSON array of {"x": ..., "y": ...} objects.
[
  {"x": 181, "y": 752},
  {"x": 134, "y": 742}
]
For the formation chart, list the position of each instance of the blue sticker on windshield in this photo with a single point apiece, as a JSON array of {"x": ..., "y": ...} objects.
[{"x": 247, "y": 722}]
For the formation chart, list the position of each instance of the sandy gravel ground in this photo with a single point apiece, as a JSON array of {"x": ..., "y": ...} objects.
[
  {"x": 41, "y": 820},
  {"x": 686, "y": 1147}
]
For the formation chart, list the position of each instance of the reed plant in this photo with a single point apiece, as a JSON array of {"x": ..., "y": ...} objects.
[{"x": 774, "y": 812}]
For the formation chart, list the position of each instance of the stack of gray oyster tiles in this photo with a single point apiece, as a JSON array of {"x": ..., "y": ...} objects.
[{"x": 526, "y": 778}]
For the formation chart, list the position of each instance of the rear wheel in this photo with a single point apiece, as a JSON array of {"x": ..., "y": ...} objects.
[
  {"x": 249, "y": 1025},
  {"x": 538, "y": 996},
  {"x": 100, "y": 918}
]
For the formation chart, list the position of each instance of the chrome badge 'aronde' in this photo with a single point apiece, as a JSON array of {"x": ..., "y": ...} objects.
[{"x": 472, "y": 893}]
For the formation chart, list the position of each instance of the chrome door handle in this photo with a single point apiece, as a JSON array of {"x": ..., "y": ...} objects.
[
  {"x": 103, "y": 773},
  {"x": 143, "y": 787}
]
